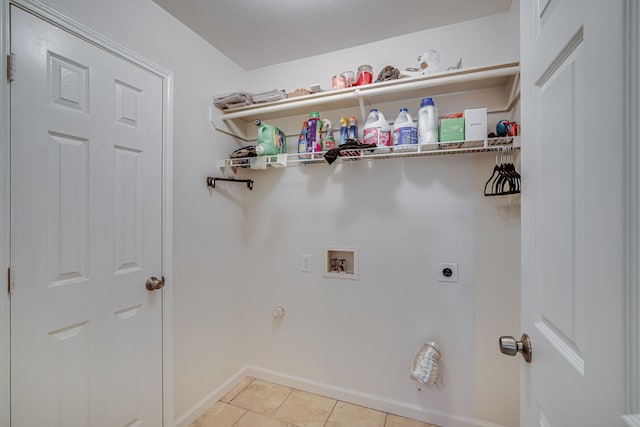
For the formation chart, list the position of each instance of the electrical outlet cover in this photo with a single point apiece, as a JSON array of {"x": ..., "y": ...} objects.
[{"x": 448, "y": 272}]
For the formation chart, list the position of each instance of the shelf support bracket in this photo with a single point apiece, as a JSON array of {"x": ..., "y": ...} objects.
[
  {"x": 363, "y": 111},
  {"x": 514, "y": 93}
]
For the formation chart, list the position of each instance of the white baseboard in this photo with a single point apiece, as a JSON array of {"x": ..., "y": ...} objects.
[
  {"x": 192, "y": 414},
  {"x": 384, "y": 404}
]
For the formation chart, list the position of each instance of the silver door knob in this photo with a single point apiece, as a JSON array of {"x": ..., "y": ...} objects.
[
  {"x": 154, "y": 283},
  {"x": 511, "y": 347}
]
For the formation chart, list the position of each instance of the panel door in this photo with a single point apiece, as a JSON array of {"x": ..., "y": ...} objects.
[
  {"x": 86, "y": 169},
  {"x": 573, "y": 210}
]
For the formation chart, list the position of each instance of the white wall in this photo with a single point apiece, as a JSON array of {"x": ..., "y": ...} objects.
[
  {"x": 357, "y": 338},
  {"x": 483, "y": 41},
  {"x": 208, "y": 227}
]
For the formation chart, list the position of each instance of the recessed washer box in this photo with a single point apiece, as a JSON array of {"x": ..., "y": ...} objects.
[{"x": 341, "y": 262}]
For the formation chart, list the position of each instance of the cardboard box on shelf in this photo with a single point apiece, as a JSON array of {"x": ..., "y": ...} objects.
[{"x": 452, "y": 130}]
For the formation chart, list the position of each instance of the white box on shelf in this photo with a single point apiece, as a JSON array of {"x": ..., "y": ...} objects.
[{"x": 475, "y": 123}]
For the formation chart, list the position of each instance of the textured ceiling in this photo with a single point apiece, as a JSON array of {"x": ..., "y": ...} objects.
[{"x": 257, "y": 33}]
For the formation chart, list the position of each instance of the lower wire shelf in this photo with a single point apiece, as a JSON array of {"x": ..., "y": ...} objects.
[{"x": 401, "y": 151}]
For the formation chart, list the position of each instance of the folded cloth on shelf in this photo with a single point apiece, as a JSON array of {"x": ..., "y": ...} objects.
[
  {"x": 388, "y": 73},
  {"x": 248, "y": 151},
  {"x": 351, "y": 144},
  {"x": 227, "y": 101}
]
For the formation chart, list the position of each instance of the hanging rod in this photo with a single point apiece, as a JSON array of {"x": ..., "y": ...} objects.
[{"x": 211, "y": 181}]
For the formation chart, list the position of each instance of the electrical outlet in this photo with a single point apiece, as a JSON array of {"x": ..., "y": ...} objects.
[
  {"x": 448, "y": 272},
  {"x": 305, "y": 264}
]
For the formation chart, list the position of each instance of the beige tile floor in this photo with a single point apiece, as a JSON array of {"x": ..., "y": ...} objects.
[{"x": 258, "y": 403}]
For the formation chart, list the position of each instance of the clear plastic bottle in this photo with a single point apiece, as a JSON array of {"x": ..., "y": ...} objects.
[
  {"x": 377, "y": 131},
  {"x": 405, "y": 131},
  {"x": 428, "y": 123}
]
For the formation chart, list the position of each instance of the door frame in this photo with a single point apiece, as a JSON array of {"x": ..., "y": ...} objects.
[
  {"x": 632, "y": 211},
  {"x": 56, "y": 18},
  {"x": 5, "y": 313}
]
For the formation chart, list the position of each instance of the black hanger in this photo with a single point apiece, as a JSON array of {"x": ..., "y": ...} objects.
[{"x": 504, "y": 179}]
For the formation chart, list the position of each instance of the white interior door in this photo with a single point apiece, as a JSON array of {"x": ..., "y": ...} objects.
[
  {"x": 573, "y": 212},
  {"x": 86, "y": 182}
]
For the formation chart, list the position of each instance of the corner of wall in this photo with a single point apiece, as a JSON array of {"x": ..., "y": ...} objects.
[{"x": 513, "y": 31}]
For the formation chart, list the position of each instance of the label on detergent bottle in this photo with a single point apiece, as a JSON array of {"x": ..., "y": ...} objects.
[
  {"x": 314, "y": 127},
  {"x": 370, "y": 136},
  {"x": 376, "y": 136},
  {"x": 405, "y": 135},
  {"x": 302, "y": 141}
]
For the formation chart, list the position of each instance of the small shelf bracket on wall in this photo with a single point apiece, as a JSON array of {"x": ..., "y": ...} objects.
[{"x": 211, "y": 181}]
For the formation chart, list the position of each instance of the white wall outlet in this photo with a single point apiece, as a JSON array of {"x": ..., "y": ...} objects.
[
  {"x": 448, "y": 272},
  {"x": 305, "y": 264}
]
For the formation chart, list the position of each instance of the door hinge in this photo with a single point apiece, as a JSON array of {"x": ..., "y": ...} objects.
[
  {"x": 11, "y": 279},
  {"x": 11, "y": 67}
]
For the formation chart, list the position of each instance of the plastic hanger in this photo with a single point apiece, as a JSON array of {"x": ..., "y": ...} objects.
[{"x": 504, "y": 178}]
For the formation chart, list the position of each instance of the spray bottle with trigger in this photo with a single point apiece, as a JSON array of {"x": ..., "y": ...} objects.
[{"x": 328, "y": 141}]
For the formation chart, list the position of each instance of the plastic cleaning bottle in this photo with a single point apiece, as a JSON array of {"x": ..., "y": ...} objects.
[
  {"x": 428, "y": 123},
  {"x": 377, "y": 131},
  {"x": 302, "y": 141},
  {"x": 405, "y": 131},
  {"x": 314, "y": 128},
  {"x": 271, "y": 140},
  {"x": 344, "y": 129},
  {"x": 353, "y": 128},
  {"x": 328, "y": 140}
]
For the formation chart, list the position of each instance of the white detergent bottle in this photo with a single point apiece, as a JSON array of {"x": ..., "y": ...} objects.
[
  {"x": 428, "y": 124},
  {"x": 377, "y": 131},
  {"x": 405, "y": 131}
]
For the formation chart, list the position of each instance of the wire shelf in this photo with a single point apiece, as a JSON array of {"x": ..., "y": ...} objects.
[{"x": 402, "y": 151}]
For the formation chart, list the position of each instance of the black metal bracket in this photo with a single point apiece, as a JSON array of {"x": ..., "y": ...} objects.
[{"x": 211, "y": 181}]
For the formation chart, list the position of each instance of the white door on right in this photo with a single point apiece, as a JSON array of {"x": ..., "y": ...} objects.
[{"x": 573, "y": 212}]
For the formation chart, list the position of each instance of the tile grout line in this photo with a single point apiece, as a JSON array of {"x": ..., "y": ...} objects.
[
  {"x": 330, "y": 413},
  {"x": 241, "y": 416},
  {"x": 282, "y": 403},
  {"x": 246, "y": 411},
  {"x": 238, "y": 393}
]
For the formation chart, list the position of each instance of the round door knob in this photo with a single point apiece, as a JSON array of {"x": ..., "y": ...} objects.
[
  {"x": 154, "y": 283},
  {"x": 511, "y": 347}
]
